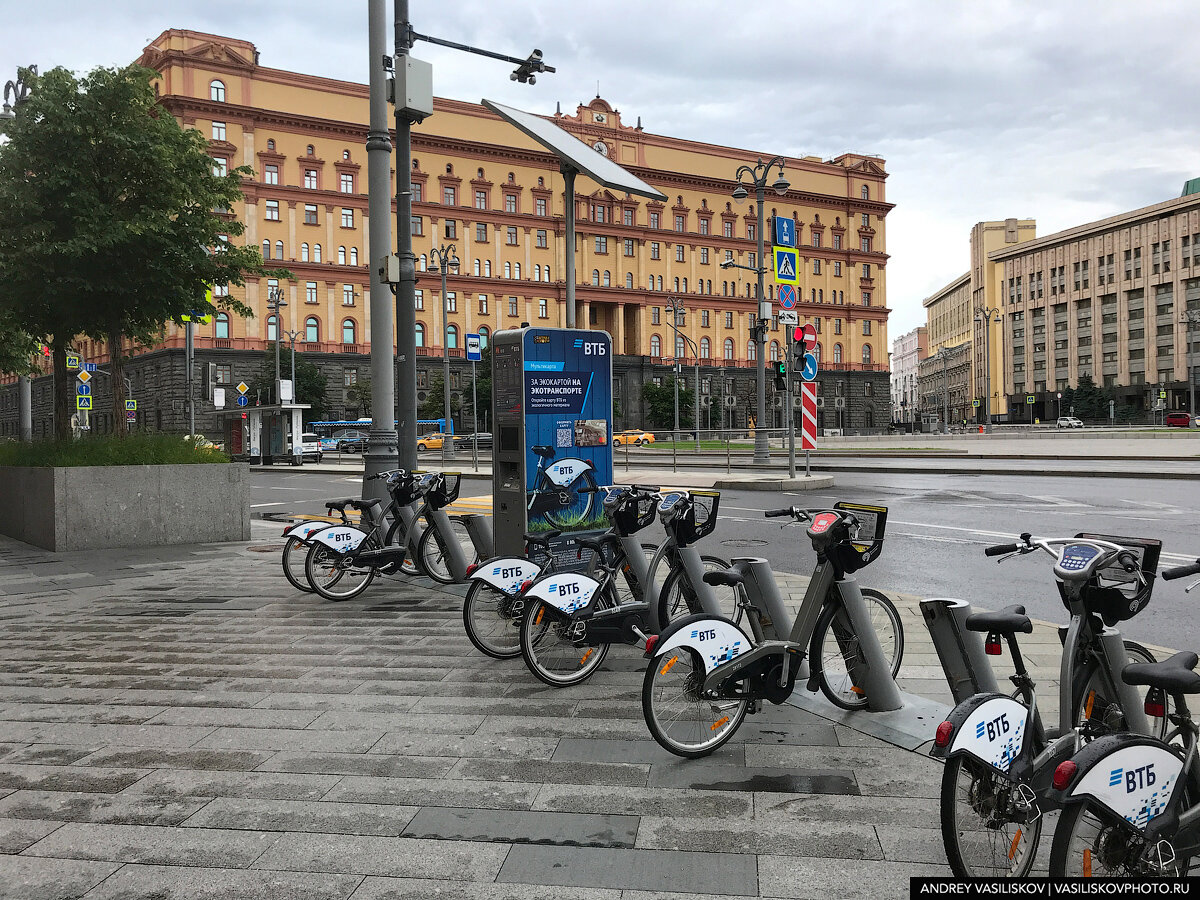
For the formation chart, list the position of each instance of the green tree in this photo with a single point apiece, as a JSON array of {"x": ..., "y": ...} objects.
[
  {"x": 310, "y": 387},
  {"x": 358, "y": 396},
  {"x": 659, "y": 401},
  {"x": 434, "y": 406},
  {"x": 17, "y": 349},
  {"x": 108, "y": 208},
  {"x": 1089, "y": 400}
]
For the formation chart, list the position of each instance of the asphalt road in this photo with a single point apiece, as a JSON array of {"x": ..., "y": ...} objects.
[{"x": 937, "y": 528}]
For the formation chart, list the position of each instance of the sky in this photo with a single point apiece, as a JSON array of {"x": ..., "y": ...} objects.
[{"x": 1064, "y": 112}]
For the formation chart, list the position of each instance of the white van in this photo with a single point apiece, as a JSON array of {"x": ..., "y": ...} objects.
[{"x": 310, "y": 447}]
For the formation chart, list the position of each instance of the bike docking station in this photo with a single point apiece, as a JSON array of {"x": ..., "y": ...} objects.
[{"x": 552, "y": 414}]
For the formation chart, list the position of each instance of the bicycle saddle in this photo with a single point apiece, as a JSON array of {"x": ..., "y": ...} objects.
[
  {"x": 726, "y": 578},
  {"x": 543, "y": 539},
  {"x": 366, "y": 504},
  {"x": 596, "y": 545},
  {"x": 1009, "y": 620},
  {"x": 1173, "y": 675},
  {"x": 339, "y": 504},
  {"x": 543, "y": 451}
]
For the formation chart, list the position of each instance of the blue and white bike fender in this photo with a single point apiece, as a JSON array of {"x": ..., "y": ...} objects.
[
  {"x": 1132, "y": 775},
  {"x": 568, "y": 591},
  {"x": 714, "y": 639},
  {"x": 304, "y": 529},
  {"x": 507, "y": 573},
  {"x": 342, "y": 538},
  {"x": 563, "y": 472},
  {"x": 990, "y": 728}
]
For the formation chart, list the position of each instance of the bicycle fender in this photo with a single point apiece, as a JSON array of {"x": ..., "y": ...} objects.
[
  {"x": 565, "y": 591},
  {"x": 342, "y": 538},
  {"x": 304, "y": 529},
  {"x": 715, "y": 639},
  {"x": 506, "y": 573},
  {"x": 564, "y": 471},
  {"x": 989, "y": 727},
  {"x": 1133, "y": 775}
]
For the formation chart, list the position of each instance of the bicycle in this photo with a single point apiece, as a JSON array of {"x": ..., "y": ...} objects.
[
  {"x": 706, "y": 674},
  {"x": 445, "y": 549},
  {"x": 687, "y": 517},
  {"x": 1000, "y": 759},
  {"x": 563, "y": 492},
  {"x": 1131, "y": 803}
]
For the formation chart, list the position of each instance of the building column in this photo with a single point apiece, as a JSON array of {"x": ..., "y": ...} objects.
[{"x": 619, "y": 330}]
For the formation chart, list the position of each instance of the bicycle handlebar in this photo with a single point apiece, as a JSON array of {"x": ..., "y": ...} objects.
[
  {"x": 1001, "y": 549},
  {"x": 1128, "y": 561},
  {"x": 1181, "y": 571},
  {"x": 776, "y": 513}
]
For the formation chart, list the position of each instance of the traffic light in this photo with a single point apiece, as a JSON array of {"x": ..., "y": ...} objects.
[{"x": 779, "y": 371}]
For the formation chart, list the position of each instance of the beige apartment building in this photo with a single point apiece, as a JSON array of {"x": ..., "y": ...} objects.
[{"x": 907, "y": 352}]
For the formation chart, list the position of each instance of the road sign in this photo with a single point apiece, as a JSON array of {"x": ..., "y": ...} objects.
[
  {"x": 474, "y": 348},
  {"x": 130, "y": 417},
  {"x": 219, "y": 398},
  {"x": 1029, "y": 399},
  {"x": 787, "y": 296},
  {"x": 83, "y": 390},
  {"x": 1162, "y": 395},
  {"x": 243, "y": 400},
  {"x": 809, "y": 372},
  {"x": 975, "y": 403},
  {"x": 788, "y": 317},
  {"x": 806, "y": 333},
  {"x": 84, "y": 377},
  {"x": 242, "y": 388},
  {"x": 786, "y": 265},
  {"x": 72, "y": 362},
  {"x": 194, "y": 316},
  {"x": 285, "y": 390},
  {"x": 785, "y": 232},
  {"x": 82, "y": 402},
  {"x": 808, "y": 416},
  {"x": 89, "y": 367},
  {"x": 130, "y": 405}
]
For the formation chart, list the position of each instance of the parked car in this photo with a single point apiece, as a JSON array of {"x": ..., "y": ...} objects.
[
  {"x": 1069, "y": 422},
  {"x": 351, "y": 441},
  {"x": 431, "y": 441},
  {"x": 482, "y": 440},
  {"x": 634, "y": 436},
  {"x": 310, "y": 446},
  {"x": 1179, "y": 419}
]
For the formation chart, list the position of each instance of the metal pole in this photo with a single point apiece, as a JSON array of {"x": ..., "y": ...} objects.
[
  {"x": 762, "y": 453},
  {"x": 474, "y": 420},
  {"x": 381, "y": 439},
  {"x": 406, "y": 296},
  {"x": 278, "y": 334},
  {"x": 569, "y": 225},
  {"x": 789, "y": 408},
  {"x": 189, "y": 353},
  {"x": 449, "y": 426},
  {"x": 987, "y": 374},
  {"x": 696, "y": 407},
  {"x": 25, "y": 402}
]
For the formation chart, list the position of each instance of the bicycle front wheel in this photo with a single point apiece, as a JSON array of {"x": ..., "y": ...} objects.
[
  {"x": 836, "y": 645},
  {"x": 434, "y": 556},
  {"x": 397, "y": 536},
  {"x": 678, "y": 597},
  {"x": 982, "y": 839},
  {"x": 337, "y": 576},
  {"x": 294, "y": 553},
  {"x": 490, "y": 620},
  {"x": 681, "y": 720},
  {"x": 550, "y": 648}
]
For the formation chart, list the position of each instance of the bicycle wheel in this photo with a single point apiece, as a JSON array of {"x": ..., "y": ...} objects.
[
  {"x": 680, "y": 719},
  {"x": 435, "y": 557},
  {"x": 336, "y": 576},
  {"x": 549, "y": 648},
  {"x": 836, "y": 645},
  {"x": 1094, "y": 702},
  {"x": 978, "y": 831},
  {"x": 397, "y": 535},
  {"x": 627, "y": 587},
  {"x": 294, "y": 553},
  {"x": 677, "y": 597},
  {"x": 492, "y": 620},
  {"x": 580, "y": 510},
  {"x": 1091, "y": 841}
]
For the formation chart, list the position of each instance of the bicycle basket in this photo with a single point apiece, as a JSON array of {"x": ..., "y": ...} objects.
[
  {"x": 703, "y": 514},
  {"x": 868, "y": 543},
  {"x": 1114, "y": 594},
  {"x": 406, "y": 489},
  {"x": 445, "y": 490}
]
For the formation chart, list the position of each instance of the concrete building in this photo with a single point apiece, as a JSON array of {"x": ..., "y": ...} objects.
[
  {"x": 907, "y": 352},
  {"x": 496, "y": 195}
]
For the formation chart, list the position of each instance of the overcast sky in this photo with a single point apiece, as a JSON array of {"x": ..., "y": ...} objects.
[{"x": 1065, "y": 112}]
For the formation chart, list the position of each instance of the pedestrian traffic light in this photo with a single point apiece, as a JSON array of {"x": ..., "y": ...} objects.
[{"x": 779, "y": 370}]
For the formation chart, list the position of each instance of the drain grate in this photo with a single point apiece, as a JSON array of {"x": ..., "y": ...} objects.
[
  {"x": 744, "y": 543},
  {"x": 265, "y": 548}
]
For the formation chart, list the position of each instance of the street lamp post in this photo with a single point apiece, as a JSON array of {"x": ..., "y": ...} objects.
[
  {"x": 297, "y": 448},
  {"x": 440, "y": 260},
  {"x": 16, "y": 91},
  {"x": 984, "y": 316},
  {"x": 1192, "y": 318},
  {"x": 675, "y": 309},
  {"x": 944, "y": 356},
  {"x": 274, "y": 302},
  {"x": 758, "y": 176}
]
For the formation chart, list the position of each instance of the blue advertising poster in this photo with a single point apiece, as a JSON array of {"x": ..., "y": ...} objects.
[{"x": 568, "y": 428}]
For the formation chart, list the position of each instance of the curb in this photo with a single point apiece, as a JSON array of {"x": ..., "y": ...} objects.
[{"x": 761, "y": 483}]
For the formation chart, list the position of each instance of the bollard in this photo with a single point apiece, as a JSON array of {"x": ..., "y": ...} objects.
[{"x": 959, "y": 650}]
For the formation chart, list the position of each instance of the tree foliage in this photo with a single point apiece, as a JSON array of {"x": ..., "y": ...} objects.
[
  {"x": 434, "y": 406},
  {"x": 108, "y": 211},
  {"x": 659, "y": 401},
  {"x": 310, "y": 386},
  {"x": 358, "y": 395}
]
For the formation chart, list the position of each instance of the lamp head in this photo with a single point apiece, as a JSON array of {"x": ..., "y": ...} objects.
[
  {"x": 452, "y": 263},
  {"x": 7, "y": 112},
  {"x": 740, "y": 193},
  {"x": 781, "y": 184}
]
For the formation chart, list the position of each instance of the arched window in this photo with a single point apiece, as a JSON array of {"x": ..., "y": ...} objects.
[
  {"x": 279, "y": 249},
  {"x": 266, "y": 251},
  {"x": 774, "y": 351},
  {"x": 866, "y": 354},
  {"x": 546, "y": 273},
  {"x": 477, "y": 268},
  {"x": 596, "y": 277},
  {"x": 341, "y": 256},
  {"x": 508, "y": 270},
  {"x": 660, "y": 287},
  {"x": 221, "y": 325},
  {"x": 676, "y": 284},
  {"x": 216, "y": 91},
  {"x": 345, "y": 154},
  {"x": 629, "y": 279},
  {"x": 729, "y": 348},
  {"x": 655, "y": 345},
  {"x": 348, "y": 331},
  {"x": 271, "y": 328},
  {"x": 710, "y": 285},
  {"x": 420, "y": 335},
  {"x": 685, "y": 285},
  {"x": 316, "y": 252},
  {"x": 424, "y": 263},
  {"x": 607, "y": 278},
  {"x": 271, "y": 144},
  {"x": 537, "y": 273},
  {"x": 837, "y": 353},
  {"x": 487, "y": 268},
  {"x": 354, "y": 256},
  {"x": 869, "y": 417},
  {"x": 304, "y": 252},
  {"x": 818, "y": 351},
  {"x": 866, "y": 192},
  {"x": 452, "y": 336},
  {"x": 680, "y": 347},
  {"x": 310, "y": 150},
  {"x": 484, "y": 334},
  {"x": 705, "y": 348},
  {"x": 312, "y": 329},
  {"x": 517, "y": 271},
  {"x": 751, "y": 351}
]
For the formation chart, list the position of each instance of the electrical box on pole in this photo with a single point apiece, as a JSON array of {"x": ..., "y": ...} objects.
[{"x": 414, "y": 87}]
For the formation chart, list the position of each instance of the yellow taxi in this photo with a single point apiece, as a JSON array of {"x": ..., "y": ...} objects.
[
  {"x": 431, "y": 441},
  {"x": 634, "y": 436}
]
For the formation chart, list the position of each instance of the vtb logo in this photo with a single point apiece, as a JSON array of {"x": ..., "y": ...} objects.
[{"x": 591, "y": 348}]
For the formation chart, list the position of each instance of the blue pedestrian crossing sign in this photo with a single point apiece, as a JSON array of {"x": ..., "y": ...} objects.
[
  {"x": 72, "y": 361},
  {"x": 82, "y": 402},
  {"x": 83, "y": 390},
  {"x": 786, "y": 265},
  {"x": 785, "y": 232},
  {"x": 810, "y": 367},
  {"x": 787, "y": 296},
  {"x": 243, "y": 400},
  {"x": 130, "y": 405}
]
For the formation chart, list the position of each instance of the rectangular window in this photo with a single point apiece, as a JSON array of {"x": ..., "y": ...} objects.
[
  {"x": 654, "y": 250},
  {"x": 628, "y": 218},
  {"x": 419, "y": 300},
  {"x": 483, "y": 304},
  {"x": 704, "y": 318},
  {"x": 751, "y": 231},
  {"x": 347, "y": 218},
  {"x": 418, "y": 226},
  {"x": 310, "y": 292},
  {"x": 704, "y": 256},
  {"x": 418, "y": 192},
  {"x": 837, "y": 268},
  {"x": 703, "y": 226},
  {"x": 865, "y": 244},
  {"x": 541, "y": 206},
  {"x": 349, "y": 377},
  {"x": 346, "y": 183},
  {"x": 310, "y": 179},
  {"x": 451, "y": 301},
  {"x": 481, "y": 200},
  {"x": 511, "y": 235},
  {"x": 816, "y": 267},
  {"x": 543, "y": 308},
  {"x": 866, "y": 298},
  {"x": 224, "y": 373},
  {"x": 679, "y": 253},
  {"x": 510, "y": 203},
  {"x": 347, "y": 295},
  {"x": 602, "y": 245},
  {"x": 866, "y": 220},
  {"x": 837, "y": 242},
  {"x": 220, "y": 166},
  {"x": 728, "y": 229},
  {"x": 816, "y": 239},
  {"x": 218, "y": 131},
  {"x": 628, "y": 243},
  {"x": 481, "y": 233},
  {"x": 866, "y": 327},
  {"x": 655, "y": 313},
  {"x": 728, "y": 320},
  {"x": 679, "y": 223},
  {"x": 866, "y": 270},
  {"x": 448, "y": 195},
  {"x": 310, "y": 214},
  {"x": 271, "y": 174},
  {"x": 653, "y": 220},
  {"x": 837, "y": 326},
  {"x": 512, "y": 306},
  {"x": 450, "y": 228},
  {"x": 271, "y": 211},
  {"x": 541, "y": 238}
]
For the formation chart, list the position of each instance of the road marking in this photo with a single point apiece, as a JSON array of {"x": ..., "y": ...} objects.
[{"x": 258, "y": 505}]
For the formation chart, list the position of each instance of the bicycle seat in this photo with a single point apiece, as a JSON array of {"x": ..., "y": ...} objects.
[
  {"x": 543, "y": 451},
  {"x": 543, "y": 539},
  {"x": 339, "y": 504},
  {"x": 725, "y": 578},
  {"x": 363, "y": 505},
  {"x": 1009, "y": 620},
  {"x": 596, "y": 545},
  {"x": 1173, "y": 675}
]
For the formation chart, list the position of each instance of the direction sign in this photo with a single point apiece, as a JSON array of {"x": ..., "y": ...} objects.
[
  {"x": 82, "y": 402},
  {"x": 474, "y": 348},
  {"x": 243, "y": 400},
  {"x": 785, "y": 232},
  {"x": 787, "y": 262},
  {"x": 809, "y": 372},
  {"x": 1162, "y": 395},
  {"x": 72, "y": 361},
  {"x": 787, "y": 296},
  {"x": 1029, "y": 399},
  {"x": 89, "y": 367},
  {"x": 130, "y": 405},
  {"x": 83, "y": 390},
  {"x": 242, "y": 388},
  {"x": 788, "y": 317},
  {"x": 84, "y": 377}
]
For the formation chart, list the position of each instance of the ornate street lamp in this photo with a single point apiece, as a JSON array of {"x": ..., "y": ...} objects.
[{"x": 440, "y": 260}]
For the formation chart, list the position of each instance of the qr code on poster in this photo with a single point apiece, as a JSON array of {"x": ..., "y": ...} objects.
[{"x": 566, "y": 436}]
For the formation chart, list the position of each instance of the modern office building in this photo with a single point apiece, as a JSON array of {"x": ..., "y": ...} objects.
[
  {"x": 907, "y": 352},
  {"x": 498, "y": 198}
]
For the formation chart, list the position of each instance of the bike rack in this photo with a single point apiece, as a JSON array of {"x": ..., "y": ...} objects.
[
  {"x": 876, "y": 677},
  {"x": 479, "y": 527},
  {"x": 959, "y": 650},
  {"x": 457, "y": 560}
]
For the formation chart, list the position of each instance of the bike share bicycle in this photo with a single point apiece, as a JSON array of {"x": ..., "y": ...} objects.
[
  {"x": 571, "y": 621},
  {"x": 563, "y": 492},
  {"x": 706, "y": 674},
  {"x": 1000, "y": 760},
  {"x": 1131, "y": 803}
]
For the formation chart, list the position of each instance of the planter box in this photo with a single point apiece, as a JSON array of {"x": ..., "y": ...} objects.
[{"x": 95, "y": 507}]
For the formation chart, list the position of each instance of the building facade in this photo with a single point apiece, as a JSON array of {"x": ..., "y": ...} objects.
[
  {"x": 907, "y": 352},
  {"x": 498, "y": 198}
]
